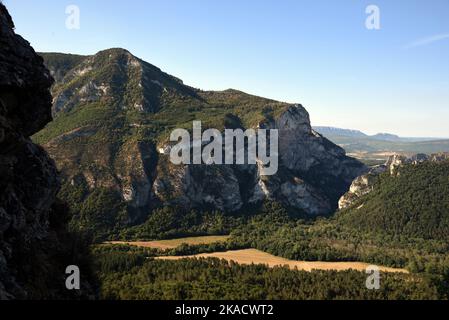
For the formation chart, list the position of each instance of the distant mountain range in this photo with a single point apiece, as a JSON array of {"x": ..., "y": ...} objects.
[
  {"x": 380, "y": 146},
  {"x": 332, "y": 131}
]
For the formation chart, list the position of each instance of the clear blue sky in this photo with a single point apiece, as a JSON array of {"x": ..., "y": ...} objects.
[{"x": 318, "y": 53}]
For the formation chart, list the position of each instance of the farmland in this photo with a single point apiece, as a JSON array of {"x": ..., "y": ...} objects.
[{"x": 253, "y": 256}]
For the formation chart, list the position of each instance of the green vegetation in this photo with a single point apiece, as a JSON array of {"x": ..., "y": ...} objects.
[
  {"x": 101, "y": 212},
  {"x": 60, "y": 63},
  {"x": 418, "y": 244},
  {"x": 326, "y": 240},
  {"x": 275, "y": 232},
  {"x": 111, "y": 110},
  {"x": 403, "y": 222},
  {"x": 91, "y": 114},
  {"x": 388, "y": 238},
  {"x": 130, "y": 275},
  {"x": 414, "y": 204},
  {"x": 177, "y": 105},
  {"x": 172, "y": 222}
]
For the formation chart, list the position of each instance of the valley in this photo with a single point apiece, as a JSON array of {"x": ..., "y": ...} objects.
[
  {"x": 110, "y": 139},
  {"x": 378, "y": 148},
  {"x": 96, "y": 202},
  {"x": 244, "y": 256}
]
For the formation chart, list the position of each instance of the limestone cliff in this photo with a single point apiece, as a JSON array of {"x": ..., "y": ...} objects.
[{"x": 312, "y": 173}]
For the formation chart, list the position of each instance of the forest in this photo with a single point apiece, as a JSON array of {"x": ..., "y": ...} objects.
[
  {"x": 132, "y": 276},
  {"x": 403, "y": 223}
]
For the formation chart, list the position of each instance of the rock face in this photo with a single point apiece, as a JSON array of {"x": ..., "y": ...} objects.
[
  {"x": 363, "y": 184},
  {"x": 29, "y": 181},
  {"x": 317, "y": 170},
  {"x": 360, "y": 186},
  {"x": 312, "y": 173}
]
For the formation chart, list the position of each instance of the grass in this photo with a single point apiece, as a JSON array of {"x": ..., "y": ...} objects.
[
  {"x": 174, "y": 243},
  {"x": 254, "y": 256}
]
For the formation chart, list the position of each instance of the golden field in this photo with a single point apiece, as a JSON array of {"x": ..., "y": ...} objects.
[{"x": 253, "y": 256}]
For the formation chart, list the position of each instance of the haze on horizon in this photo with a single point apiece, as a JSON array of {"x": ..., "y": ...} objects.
[{"x": 317, "y": 53}]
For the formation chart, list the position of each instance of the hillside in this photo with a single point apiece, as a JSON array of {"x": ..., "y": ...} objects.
[
  {"x": 403, "y": 222},
  {"x": 413, "y": 203},
  {"x": 113, "y": 115}
]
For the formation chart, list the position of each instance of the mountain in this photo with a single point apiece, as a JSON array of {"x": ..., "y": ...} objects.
[
  {"x": 332, "y": 131},
  {"x": 386, "y": 137},
  {"x": 113, "y": 115},
  {"x": 381, "y": 146},
  {"x": 35, "y": 246},
  {"x": 406, "y": 196}
]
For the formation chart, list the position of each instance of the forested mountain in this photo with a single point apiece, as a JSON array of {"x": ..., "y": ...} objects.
[
  {"x": 412, "y": 202},
  {"x": 113, "y": 115}
]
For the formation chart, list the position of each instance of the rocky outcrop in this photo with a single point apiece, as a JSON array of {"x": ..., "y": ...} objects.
[
  {"x": 30, "y": 229},
  {"x": 439, "y": 157},
  {"x": 137, "y": 173},
  {"x": 312, "y": 175},
  {"x": 363, "y": 184},
  {"x": 319, "y": 170}
]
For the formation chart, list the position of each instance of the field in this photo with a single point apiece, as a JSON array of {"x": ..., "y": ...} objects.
[
  {"x": 253, "y": 256},
  {"x": 173, "y": 243}
]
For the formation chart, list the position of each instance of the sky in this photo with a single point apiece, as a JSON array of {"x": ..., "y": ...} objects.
[{"x": 319, "y": 53}]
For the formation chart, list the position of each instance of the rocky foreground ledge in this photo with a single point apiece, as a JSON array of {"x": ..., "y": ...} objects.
[{"x": 32, "y": 225}]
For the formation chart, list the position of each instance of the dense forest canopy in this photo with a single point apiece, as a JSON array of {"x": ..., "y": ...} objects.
[
  {"x": 130, "y": 275},
  {"x": 413, "y": 203}
]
